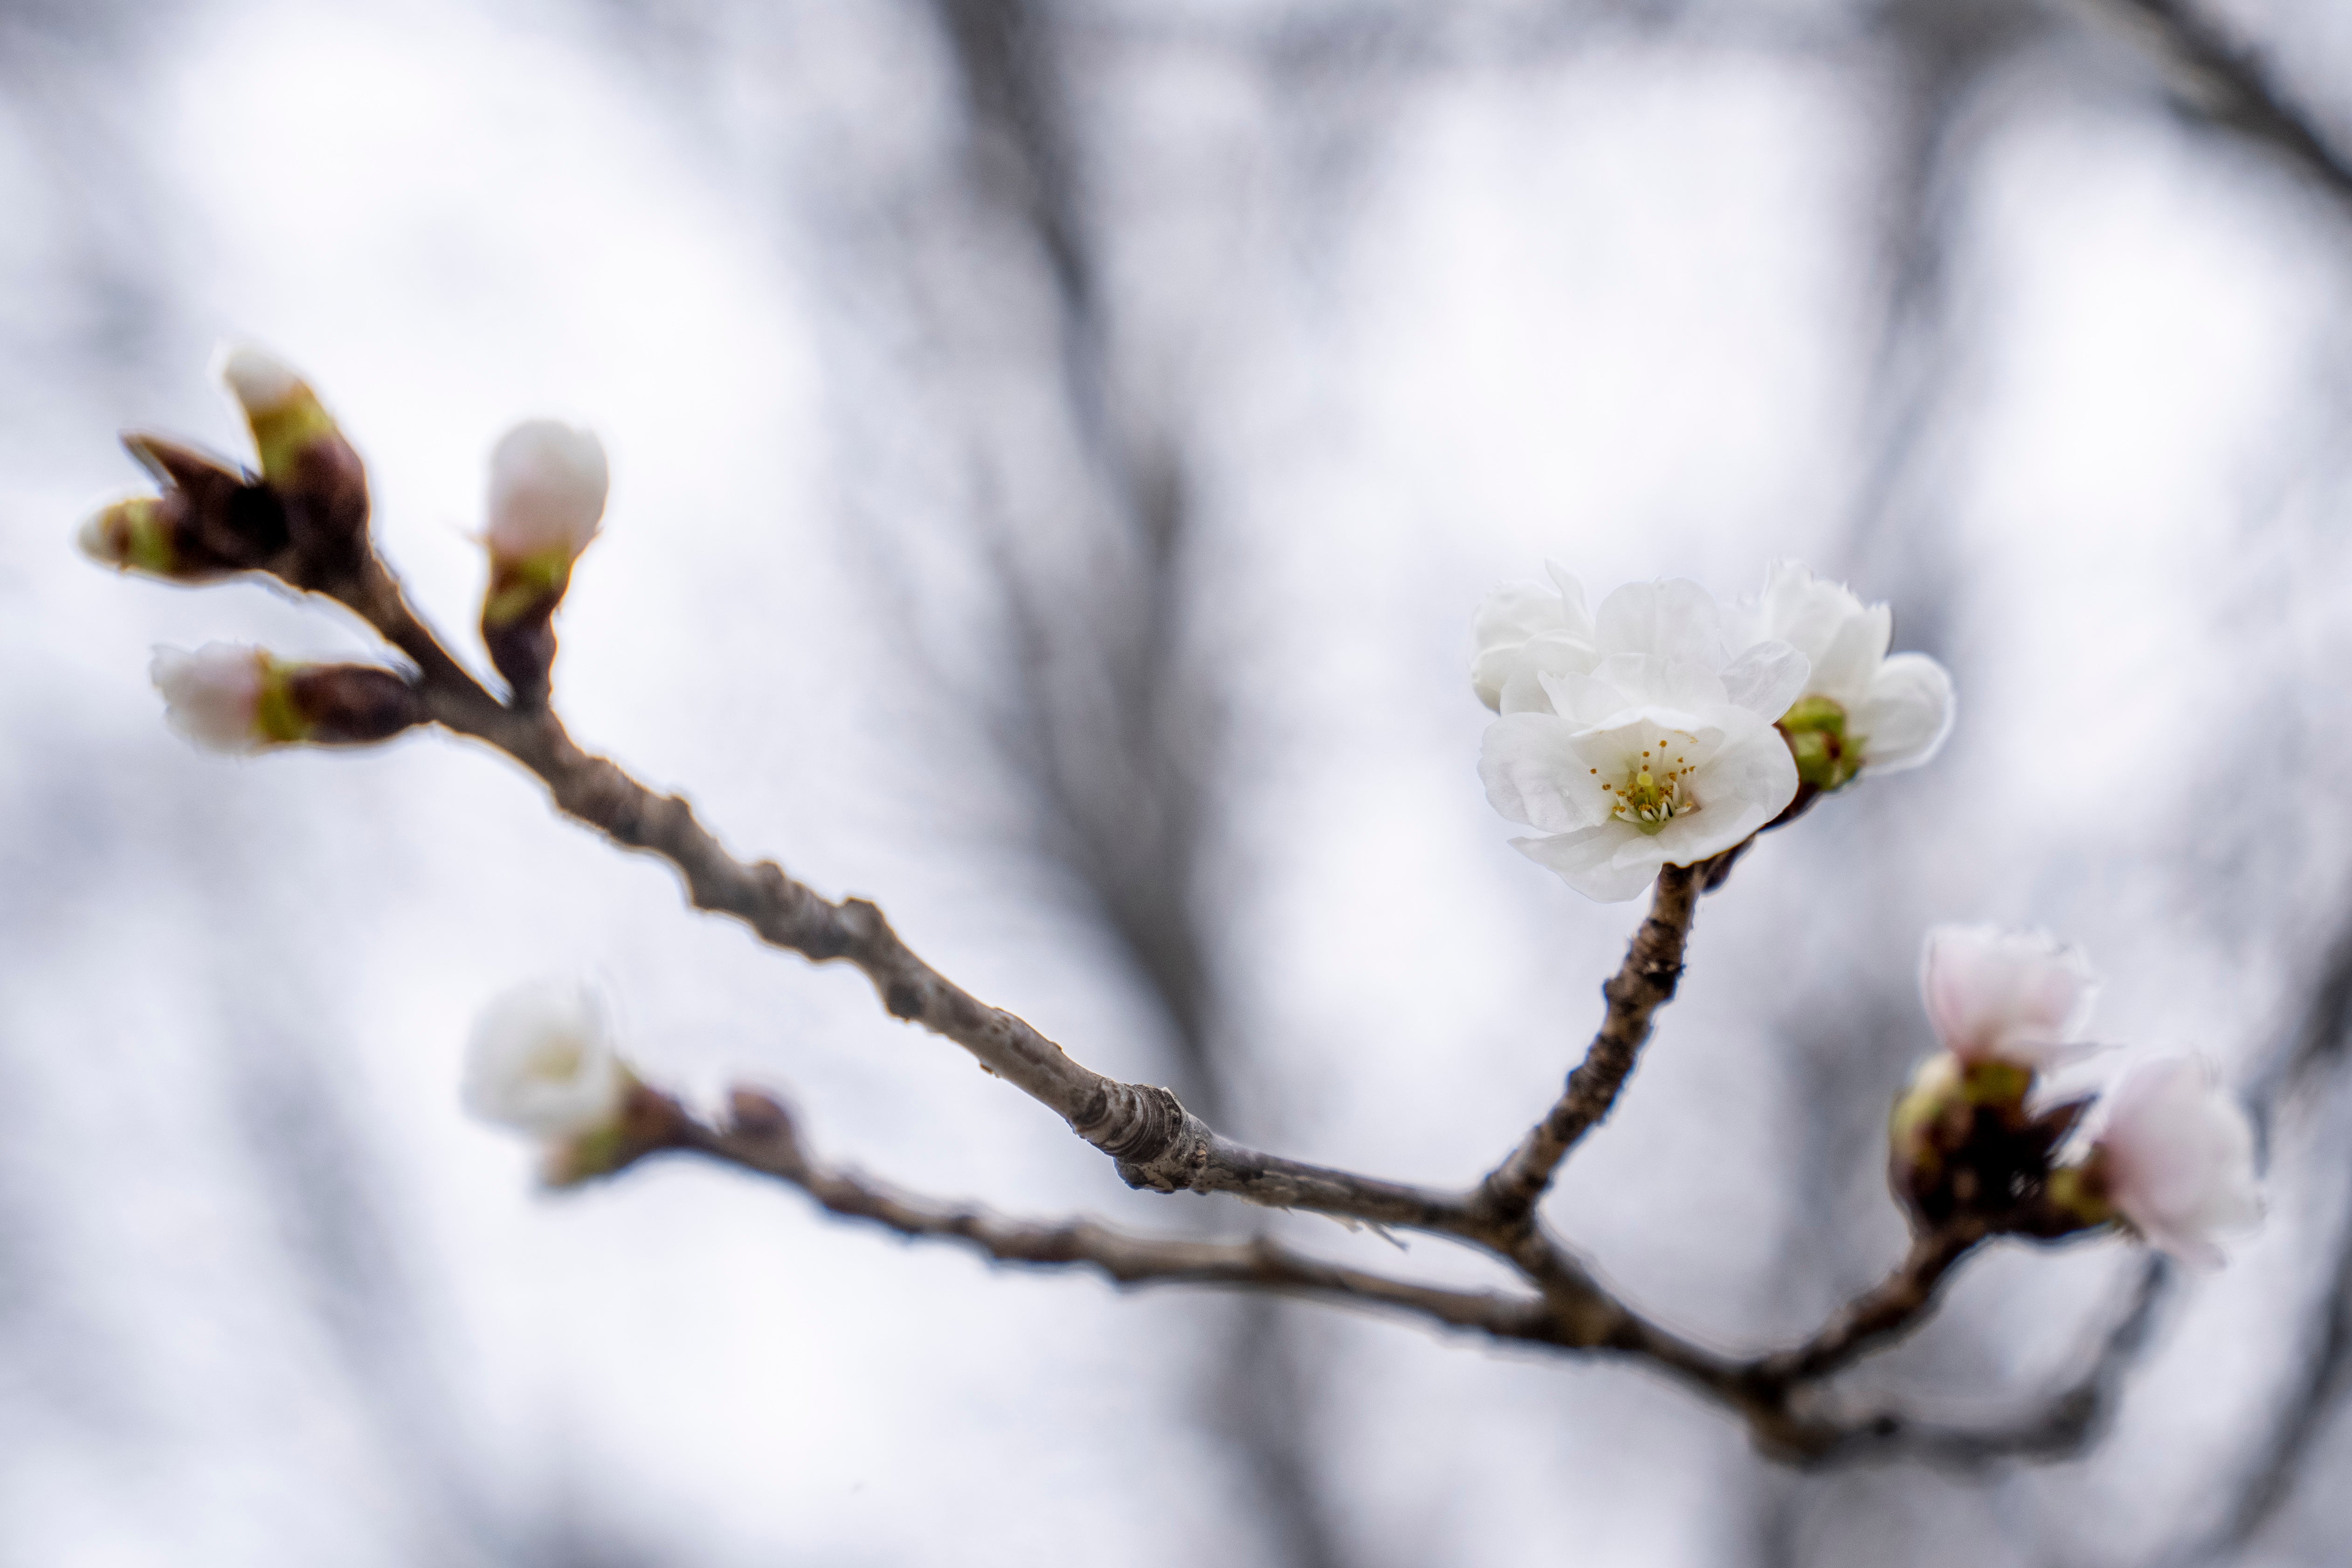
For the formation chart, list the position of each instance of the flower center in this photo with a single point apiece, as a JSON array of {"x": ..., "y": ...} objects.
[
  {"x": 555, "y": 1060},
  {"x": 1653, "y": 792}
]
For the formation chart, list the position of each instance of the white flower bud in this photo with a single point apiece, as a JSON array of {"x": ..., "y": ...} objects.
[
  {"x": 541, "y": 1061},
  {"x": 216, "y": 696},
  {"x": 260, "y": 383},
  {"x": 548, "y": 482},
  {"x": 2174, "y": 1155},
  {"x": 99, "y": 533},
  {"x": 2016, "y": 997}
]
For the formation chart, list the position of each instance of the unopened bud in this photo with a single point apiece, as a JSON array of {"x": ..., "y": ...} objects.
[
  {"x": 1815, "y": 730},
  {"x": 548, "y": 484},
  {"x": 210, "y": 521},
  {"x": 141, "y": 534},
  {"x": 306, "y": 461},
  {"x": 1964, "y": 1144},
  {"x": 351, "y": 704},
  {"x": 541, "y": 1061},
  {"x": 226, "y": 697}
]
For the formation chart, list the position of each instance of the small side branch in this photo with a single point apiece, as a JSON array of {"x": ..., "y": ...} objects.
[
  {"x": 1643, "y": 984},
  {"x": 2060, "y": 1427},
  {"x": 761, "y": 1137},
  {"x": 1887, "y": 1310}
]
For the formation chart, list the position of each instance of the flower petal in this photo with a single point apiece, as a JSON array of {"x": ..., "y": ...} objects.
[
  {"x": 1767, "y": 679},
  {"x": 1530, "y": 766},
  {"x": 1802, "y": 610},
  {"x": 1498, "y": 669},
  {"x": 1574, "y": 618},
  {"x": 1671, "y": 619},
  {"x": 2011, "y": 995},
  {"x": 1652, "y": 681},
  {"x": 1633, "y": 738},
  {"x": 1907, "y": 714},
  {"x": 1585, "y": 700},
  {"x": 1609, "y": 863},
  {"x": 2178, "y": 1152},
  {"x": 1747, "y": 783}
]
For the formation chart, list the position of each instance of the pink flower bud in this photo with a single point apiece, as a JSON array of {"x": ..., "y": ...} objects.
[
  {"x": 229, "y": 698},
  {"x": 214, "y": 696},
  {"x": 2174, "y": 1155},
  {"x": 1995, "y": 994},
  {"x": 548, "y": 482}
]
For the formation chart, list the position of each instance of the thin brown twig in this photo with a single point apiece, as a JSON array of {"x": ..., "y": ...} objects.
[
  {"x": 1883, "y": 1311},
  {"x": 761, "y": 1137},
  {"x": 1645, "y": 983}
]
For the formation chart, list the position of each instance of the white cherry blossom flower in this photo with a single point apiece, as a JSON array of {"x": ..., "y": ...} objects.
[
  {"x": 1865, "y": 710},
  {"x": 548, "y": 484},
  {"x": 541, "y": 1061},
  {"x": 219, "y": 696},
  {"x": 1658, "y": 753},
  {"x": 2175, "y": 1156},
  {"x": 2006, "y": 996}
]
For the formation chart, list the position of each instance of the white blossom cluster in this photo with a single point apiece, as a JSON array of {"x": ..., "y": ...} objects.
[{"x": 1662, "y": 729}]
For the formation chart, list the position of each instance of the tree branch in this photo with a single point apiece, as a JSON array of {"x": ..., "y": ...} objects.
[
  {"x": 1887, "y": 1309},
  {"x": 761, "y": 1137},
  {"x": 1155, "y": 1141},
  {"x": 1643, "y": 984},
  {"x": 1159, "y": 1144},
  {"x": 2221, "y": 80},
  {"x": 1572, "y": 1313}
]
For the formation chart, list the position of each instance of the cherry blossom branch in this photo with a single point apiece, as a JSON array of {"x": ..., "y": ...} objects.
[
  {"x": 1154, "y": 1140},
  {"x": 1159, "y": 1144}
]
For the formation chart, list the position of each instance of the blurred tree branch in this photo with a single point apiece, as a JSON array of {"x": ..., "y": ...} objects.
[
  {"x": 1103, "y": 723},
  {"x": 2223, "y": 82}
]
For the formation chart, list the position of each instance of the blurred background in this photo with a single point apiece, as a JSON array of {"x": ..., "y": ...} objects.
[{"x": 1058, "y": 450}]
